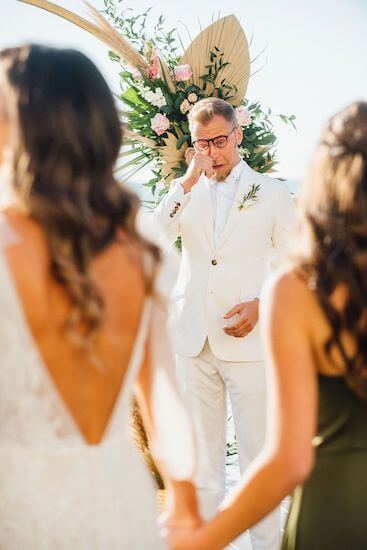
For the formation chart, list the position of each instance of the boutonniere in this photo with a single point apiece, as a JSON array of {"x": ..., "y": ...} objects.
[{"x": 250, "y": 198}]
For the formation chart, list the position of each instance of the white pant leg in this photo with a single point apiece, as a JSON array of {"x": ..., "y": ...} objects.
[
  {"x": 181, "y": 372},
  {"x": 205, "y": 395},
  {"x": 246, "y": 386}
]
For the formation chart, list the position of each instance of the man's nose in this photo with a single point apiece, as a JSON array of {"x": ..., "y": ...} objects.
[{"x": 212, "y": 150}]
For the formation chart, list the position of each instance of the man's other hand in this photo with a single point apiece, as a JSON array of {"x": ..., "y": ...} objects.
[{"x": 247, "y": 316}]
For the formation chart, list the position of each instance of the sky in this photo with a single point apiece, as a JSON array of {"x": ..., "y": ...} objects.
[{"x": 314, "y": 61}]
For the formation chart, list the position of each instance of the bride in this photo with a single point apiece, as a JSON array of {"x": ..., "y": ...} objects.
[{"x": 82, "y": 323}]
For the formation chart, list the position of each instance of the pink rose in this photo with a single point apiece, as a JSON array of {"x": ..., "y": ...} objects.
[
  {"x": 135, "y": 73},
  {"x": 243, "y": 116},
  {"x": 154, "y": 70},
  {"x": 182, "y": 72},
  {"x": 159, "y": 124}
]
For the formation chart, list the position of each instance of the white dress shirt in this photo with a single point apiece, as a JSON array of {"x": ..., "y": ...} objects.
[{"x": 223, "y": 194}]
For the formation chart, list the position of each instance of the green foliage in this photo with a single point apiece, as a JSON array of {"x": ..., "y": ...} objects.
[
  {"x": 224, "y": 90},
  {"x": 134, "y": 27}
]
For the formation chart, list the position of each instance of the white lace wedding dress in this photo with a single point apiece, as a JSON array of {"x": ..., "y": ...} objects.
[{"x": 56, "y": 491}]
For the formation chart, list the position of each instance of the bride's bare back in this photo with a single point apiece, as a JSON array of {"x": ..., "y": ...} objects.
[{"x": 88, "y": 392}]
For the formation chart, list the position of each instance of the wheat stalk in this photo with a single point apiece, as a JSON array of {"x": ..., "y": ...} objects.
[
  {"x": 116, "y": 42},
  {"x": 101, "y": 29}
]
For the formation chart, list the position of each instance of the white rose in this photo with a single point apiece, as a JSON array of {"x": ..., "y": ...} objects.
[
  {"x": 192, "y": 97},
  {"x": 185, "y": 106},
  {"x": 243, "y": 116},
  {"x": 249, "y": 204}
]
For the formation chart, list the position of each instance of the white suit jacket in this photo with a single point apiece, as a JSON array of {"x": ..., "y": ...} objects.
[{"x": 213, "y": 280}]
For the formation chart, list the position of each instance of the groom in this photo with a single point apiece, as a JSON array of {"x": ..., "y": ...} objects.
[{"x": 231, "y": 219}]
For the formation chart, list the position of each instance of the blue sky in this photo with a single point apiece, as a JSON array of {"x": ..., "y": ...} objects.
[{"x": 313, "y": 65}]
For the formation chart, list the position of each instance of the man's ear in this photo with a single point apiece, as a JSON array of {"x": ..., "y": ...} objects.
[{"x": 239, "y": 135}]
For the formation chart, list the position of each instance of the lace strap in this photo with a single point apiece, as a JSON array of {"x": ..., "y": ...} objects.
[{"x": 8, "y": 235}]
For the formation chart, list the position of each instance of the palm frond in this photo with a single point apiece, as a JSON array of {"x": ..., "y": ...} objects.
[
  {"x": 226, "y": 35},
  {"x": 116, "y": 41},
  {"x": 128, "y": 151},
  {"x": 137, "y": 137},
  {"x": 171, "y": 157},
  {"x": 125, "y": 176}
]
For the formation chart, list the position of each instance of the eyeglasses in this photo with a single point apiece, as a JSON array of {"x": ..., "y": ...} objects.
[{"x": 220, "y": 142}]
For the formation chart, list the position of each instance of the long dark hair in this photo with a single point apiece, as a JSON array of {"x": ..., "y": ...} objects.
[
  {"x": 68, "y": 140},
  {"x": 334, "y": 217}
]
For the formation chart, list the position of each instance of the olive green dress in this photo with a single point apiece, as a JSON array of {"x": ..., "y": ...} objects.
[{"x": 330, "y": 511}]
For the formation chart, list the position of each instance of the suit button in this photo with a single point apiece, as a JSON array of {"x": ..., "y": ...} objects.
[
  {"x": 171, "y": 215},
  {"x": 214, "y": 262}
]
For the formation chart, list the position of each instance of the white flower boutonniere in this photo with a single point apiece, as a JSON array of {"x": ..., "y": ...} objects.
[{"x": 250, "y": 199}]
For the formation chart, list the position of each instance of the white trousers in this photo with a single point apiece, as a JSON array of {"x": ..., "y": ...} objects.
[{"x": 206, "y": 381}]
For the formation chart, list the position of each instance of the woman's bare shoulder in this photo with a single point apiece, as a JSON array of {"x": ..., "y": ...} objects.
[{"x": 288, "y": 289}]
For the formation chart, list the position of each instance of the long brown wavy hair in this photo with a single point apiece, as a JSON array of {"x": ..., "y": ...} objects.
[
  {"x": 66, "y": 141},
  {"x": 333, "y": 251}
]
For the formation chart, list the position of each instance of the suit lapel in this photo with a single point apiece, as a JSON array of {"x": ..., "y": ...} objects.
[
  {"x": 235, "y": 215},
  {"x": 205, "y": 209}
]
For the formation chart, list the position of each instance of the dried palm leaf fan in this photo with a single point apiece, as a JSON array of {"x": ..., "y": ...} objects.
[
  {"x": 171, "y": 157},
  {"x": 227, "y": 36}
]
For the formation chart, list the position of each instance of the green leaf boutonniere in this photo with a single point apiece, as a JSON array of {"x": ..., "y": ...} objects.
[{"x": 250, "y": 198}]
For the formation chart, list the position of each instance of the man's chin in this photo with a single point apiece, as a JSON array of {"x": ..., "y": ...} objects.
[{"x": 220, "y": 174}]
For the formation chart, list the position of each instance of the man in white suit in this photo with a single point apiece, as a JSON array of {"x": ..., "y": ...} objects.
[{"x": 231, "y": 219}]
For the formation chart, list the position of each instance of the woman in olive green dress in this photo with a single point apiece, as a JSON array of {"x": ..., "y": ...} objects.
[{"x": 314, "y": 322}]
